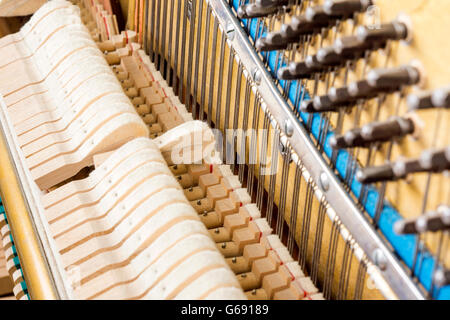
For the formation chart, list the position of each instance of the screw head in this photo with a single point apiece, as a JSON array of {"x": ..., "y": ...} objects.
[
  {"x": 380, "y": 259},
  {"x": 288, "y": 128},
  {"x": 283, "y": 149},
  {"x": 230, "y": 31},
  {"x": 324, "y": 181},
  {"x": 256, "y": 76}
]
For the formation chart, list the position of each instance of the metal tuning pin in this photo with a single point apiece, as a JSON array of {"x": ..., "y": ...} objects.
[
  {"x": 314, "y": 19},
  {"x": 311, "y": 65},
  {"x": 389, "y": 172},
  {"x": 432, "y": 221},
  {"x": 350, "y": 139},
  {"x": 435, "y": 161},
  {"x": 297, "y": 70},
  {"x": 385, "y": 130},
  {"x": 346, "y": 7},
  {"x": 273, "y": 41},
  {"x": 378, "y": 81},
  {"x": 441, "y": 98},
  {"x": 393, "y": 79},
  {"x": 374, "y": 174},
  {"x": 260, "y": 8},
  {"x": 297, "y": 28},
  {"x": 340, "y": 95},
  {"x": 403, "y": 168},
  {"x": 382, "y": 131},
  {"x": 421, "y": 100},
  {"x": 328, "y": 57},
  {"x": 369, "y": 39},
  {"x": 362, "y": 89},
  {"x": 310, "y": 23},
  {"x": 384, "y": 81},
  {"x": 406, "y": 226},
  {"x": 430, "y": 161},
  {"x": 442, "y": 277},
  {"x": 333, "y": 101},
  {"x": 317, "y": 16},
  {"x": 323, "y": 104},
  {"x": 382, "y": 33},
  {"x": 351, "y": 47},
  {"x": 307, "y": 106},
  {"x": 336, "y": 99}
]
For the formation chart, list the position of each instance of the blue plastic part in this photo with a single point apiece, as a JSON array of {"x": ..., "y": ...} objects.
[{"x": 404, "y": 245}]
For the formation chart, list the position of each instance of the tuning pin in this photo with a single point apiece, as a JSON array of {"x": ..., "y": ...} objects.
[
  {"x": 297, "y": 28},
  {"x": 389, "y": 172},
  {"x": 375, "y": 174},
  {"x": 393, "y": 78},
  {"x": 296, "y": 70},
  {"x": 435, "y": 161},
  {"x": 406, "y": 226},
  {"x": 351, "y": 47},
  {"x": 351, "y": 138},
  {"x": 348, "y": 48},
  {"x": 325, "y": 104},
  {"x": 307, "y": 106},
  {"x": 303, "y": 70},
  {"x": 314, "y": 19},
  {"x": 312, "y": 62},
  {"x": 385, "y": 130},
  {"x": 382, "y": 33},
  {"x": 320, "y": 18},
  {"x": 328, "y": 57},
  {"x": 273, "y": 41},
  {"x": 421, "y": 100},
  {"x": 311, "y": 65},
  {"x": 341, "y": 94},
  {"x": 403, "y": 168},
  {"x": 361, "y": 89},
  {"x": 429, "y": 161},
  {"x": 434, "y": 221},
  {"x": 384, "y": 81},
  {"x": 260, "y": 8},
  {"x": 336, "y": 99},
  {"x": 345, "y": 7},
  {"x": 442, "y": 277},
  {"x": 441, "y": 98},
  {"x": 373, "y": 132}
]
